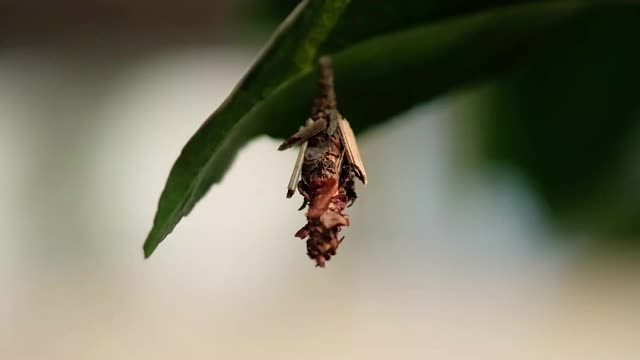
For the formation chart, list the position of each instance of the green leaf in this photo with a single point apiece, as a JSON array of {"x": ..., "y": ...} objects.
[
  {"x": 391, "y": 56},
  {"x": 570, "y": 121}
]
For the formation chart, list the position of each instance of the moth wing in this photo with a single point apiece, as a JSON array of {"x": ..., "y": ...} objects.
[
  {"x": 348, "y": 139},
  {"x": 297, "y": 168},
  {"x": 304, "y": 134}
]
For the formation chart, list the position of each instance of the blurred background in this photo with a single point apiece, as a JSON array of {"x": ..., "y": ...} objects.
[{"x": 491, "y": 228}]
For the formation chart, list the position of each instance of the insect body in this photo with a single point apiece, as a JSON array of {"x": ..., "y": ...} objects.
[{"x": 328, "y": 161}]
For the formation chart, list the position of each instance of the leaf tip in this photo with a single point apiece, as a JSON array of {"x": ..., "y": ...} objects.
[{"x": 148, "y": 248}]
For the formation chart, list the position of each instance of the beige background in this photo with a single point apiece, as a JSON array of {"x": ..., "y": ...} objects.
[{"x": 441, "y": 262}]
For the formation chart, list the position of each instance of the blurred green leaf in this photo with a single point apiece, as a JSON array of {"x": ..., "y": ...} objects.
[
  {"x": 391, "y": 54},
  {"x": 569, "y": 119}
]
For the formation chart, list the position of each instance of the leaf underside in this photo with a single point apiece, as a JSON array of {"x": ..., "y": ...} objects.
[{"x": 394, "y": 56}]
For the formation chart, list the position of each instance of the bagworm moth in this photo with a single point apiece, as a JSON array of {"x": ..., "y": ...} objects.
[{"x": 328, "y": 161}]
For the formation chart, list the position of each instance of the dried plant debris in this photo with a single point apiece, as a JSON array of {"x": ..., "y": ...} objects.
[{"x": 324, "y": 172}]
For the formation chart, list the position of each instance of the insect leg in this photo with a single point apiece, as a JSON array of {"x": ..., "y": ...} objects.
[{"x": 304, "y": 204}]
